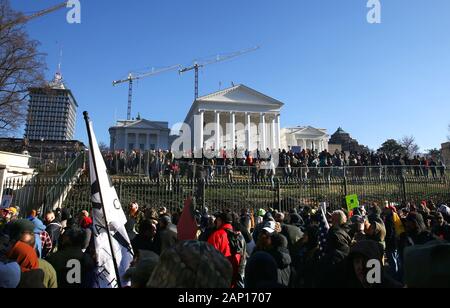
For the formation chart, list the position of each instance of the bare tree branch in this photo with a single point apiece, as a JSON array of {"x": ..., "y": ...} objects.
[{"x": 21, "y": 67}]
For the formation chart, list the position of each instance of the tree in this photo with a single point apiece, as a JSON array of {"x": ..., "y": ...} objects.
[
  {"x": 103, "y": 147},
  {"x": 434, "y": 153},
  {"x": 21, "y": 67},
  {"x": 392, "y": 147},
  {"x": 409, "y": 143}
]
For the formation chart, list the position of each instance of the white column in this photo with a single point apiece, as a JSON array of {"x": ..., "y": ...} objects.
[
  {"x": 274, "y": 134},
  {"x": 304, "y": 144},
  {"x": 125, "y": 147},
  {"x": 233, "y": 131},
  {"x": 199, "y": 131},
  {"x": 278, "y": 133},
  {"x": 146, "y": 145},
  {"x": 248, "y": 126},
  {"x": 136, "y": 143},
  {"x": 2, "y": 180},
  {"x": 262, "y": 125},
  {"x": 202, "y": 131},
  {"x": 217, "y": 131}
]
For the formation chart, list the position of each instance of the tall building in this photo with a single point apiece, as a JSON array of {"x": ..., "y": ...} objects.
[{"x": 51, "y": 112}]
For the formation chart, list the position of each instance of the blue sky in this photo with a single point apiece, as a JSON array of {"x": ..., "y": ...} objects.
[{"x": 320, "y": 57}]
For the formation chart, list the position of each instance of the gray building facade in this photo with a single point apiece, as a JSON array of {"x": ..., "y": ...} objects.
[{"x": 51, "y": 113}]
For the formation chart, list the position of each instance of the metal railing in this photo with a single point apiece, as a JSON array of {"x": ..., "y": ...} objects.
[
  {"x": 240, "y": 192},
  {"x": 60, "y": 189}
]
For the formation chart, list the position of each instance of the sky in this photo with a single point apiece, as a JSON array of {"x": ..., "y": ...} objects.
[{"x": 321, "y": 58}]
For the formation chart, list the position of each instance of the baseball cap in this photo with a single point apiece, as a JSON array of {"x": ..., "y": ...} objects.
[{"x": 269, "y": 226}]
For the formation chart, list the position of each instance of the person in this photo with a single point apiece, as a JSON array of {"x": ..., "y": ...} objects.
[
  {"x": 415, "y": 233},
  {"x": 336, "y": 250},
  {"x": 306, "y": 261},
  {"x": 441, "y": 228},
  {"x": 145, "y": 240},
  {"x": 391, "y": 219},
  {"x": 219, "y": 240},
  {"x": 357, "y": 267},
  {"x": 192, "y": 264},
  {"x": 292, "y": 233},
  {"x": 167, "y": 234},
  {"x": 86, "y": 224},
  {"x": 134, "y": 217},
  {"x": 70, "y": 250},
  {"x": 261, "y": 272},
  {"x": 10, "y": 274},
  {"x": 53, "y": 228},
  {"x": 39, "y": 229},
  {"x": 142, "y": 267},
  {"x": 276, "y": 244},
  {"x": 427, "y": 265}
]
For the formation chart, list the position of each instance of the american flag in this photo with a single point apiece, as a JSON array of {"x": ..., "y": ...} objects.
[{"x": 323, "y": 230}]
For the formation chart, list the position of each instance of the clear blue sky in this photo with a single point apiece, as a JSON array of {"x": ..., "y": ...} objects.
[{"x": 320, "y": 57}]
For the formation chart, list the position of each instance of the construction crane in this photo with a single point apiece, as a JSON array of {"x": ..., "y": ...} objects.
[
  {"x": 26, "y": 18},
  {"x": 132, "y": 78},
  {"x": 218, "y": 58}
]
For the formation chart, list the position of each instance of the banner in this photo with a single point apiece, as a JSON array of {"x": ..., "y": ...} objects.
[{"x": 112, "y": 245}]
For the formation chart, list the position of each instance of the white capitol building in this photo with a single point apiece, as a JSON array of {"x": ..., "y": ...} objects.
[{"x": 243, "y": 117}]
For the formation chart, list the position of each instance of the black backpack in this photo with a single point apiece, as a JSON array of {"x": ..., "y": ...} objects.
[{"x": 237, "y": 242}]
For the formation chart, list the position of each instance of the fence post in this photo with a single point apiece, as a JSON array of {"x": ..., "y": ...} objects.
[
  {"x": 403, "y": 182},
  {"x": 278, "y": 195},
  {"x": 345, "y": 186},
  {"x": 203, "y": 195}
]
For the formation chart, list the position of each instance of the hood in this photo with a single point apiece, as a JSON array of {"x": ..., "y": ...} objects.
[{"x": 39, "y": 226}]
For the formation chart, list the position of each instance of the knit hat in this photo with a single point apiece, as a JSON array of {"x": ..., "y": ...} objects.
[
  {"x": 192, "y": 264},
  {"x": 428, "y": 266},
  {"x": 20, "y": 226},
  {"x": 261, "y": 213},
  {"x": 9, "y": 275}
]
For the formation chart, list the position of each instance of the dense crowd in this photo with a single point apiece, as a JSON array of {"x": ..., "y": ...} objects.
[
  {"x": 306, "y": 247},
  {"x": 304, "y": 164}
]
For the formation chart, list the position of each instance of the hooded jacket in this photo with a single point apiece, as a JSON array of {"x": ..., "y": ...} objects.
[
  {"x": 219, "y": 240},
  {"x": 369, "y": 250},
  {"x": 39, "y": 227}
]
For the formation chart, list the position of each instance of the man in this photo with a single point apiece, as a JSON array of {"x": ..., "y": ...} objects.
[
  {"x": 23, "y": 249},
  {"x": 292, "y": 233},
  {"x": 53, "y": 228},
  {"x": 441, "y": 228},
  {"x": 167, "y": 235},
  {"x": 71, "y": 250},
  {"x": 134, "y": 218},
  {"x": 276, "y": 245},
  {"x": 219, "y": 240}
]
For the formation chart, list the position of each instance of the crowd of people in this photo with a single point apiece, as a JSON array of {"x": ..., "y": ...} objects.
[
  {"x": 305, "y": 247},
  {"x": 304, "y": 164}
]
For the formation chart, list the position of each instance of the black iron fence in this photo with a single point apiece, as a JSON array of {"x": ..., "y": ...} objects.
[{"x": 234, "y": 193}]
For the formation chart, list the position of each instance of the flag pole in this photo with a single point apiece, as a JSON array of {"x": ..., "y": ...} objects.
[{"x": 91, "y": 145}]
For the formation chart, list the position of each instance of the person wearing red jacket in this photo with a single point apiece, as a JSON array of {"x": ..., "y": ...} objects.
[{"x": 219, "y": 240}]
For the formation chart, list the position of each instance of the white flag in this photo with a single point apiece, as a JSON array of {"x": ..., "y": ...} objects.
[{"x": 106, "y": 276}]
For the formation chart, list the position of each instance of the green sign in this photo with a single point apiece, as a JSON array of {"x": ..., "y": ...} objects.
[{"x": 352, "y": 202}]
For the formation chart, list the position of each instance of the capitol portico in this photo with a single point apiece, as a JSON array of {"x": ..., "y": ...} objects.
[{"x": 237, "y": 117}]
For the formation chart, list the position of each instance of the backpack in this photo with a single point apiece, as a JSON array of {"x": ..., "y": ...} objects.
[{"x": 236, "y": 241}]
